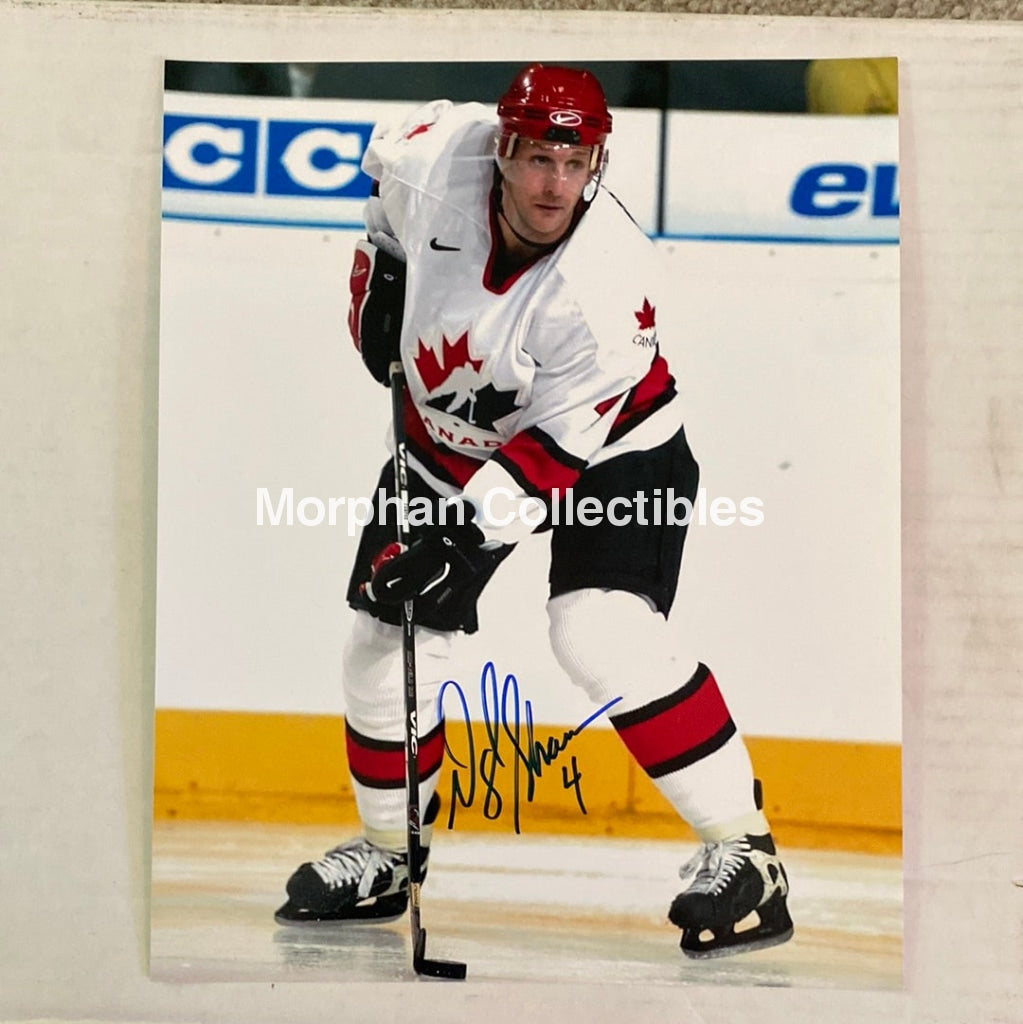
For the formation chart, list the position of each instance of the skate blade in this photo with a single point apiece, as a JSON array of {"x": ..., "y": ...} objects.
[
  {"x": 763, "y": 927},
  {"x": 371, "y": 913},
  {"x": 734, "y": 945}
]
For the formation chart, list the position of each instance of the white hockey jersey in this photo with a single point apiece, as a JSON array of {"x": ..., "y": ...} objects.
[{"x": 517, "y": 383}]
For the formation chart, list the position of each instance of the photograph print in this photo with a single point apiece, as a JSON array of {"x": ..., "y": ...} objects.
[{"x": 528, "y": 560}]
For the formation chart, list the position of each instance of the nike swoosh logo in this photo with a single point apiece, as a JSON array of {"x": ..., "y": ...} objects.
[{"x": 439, "y": 247}]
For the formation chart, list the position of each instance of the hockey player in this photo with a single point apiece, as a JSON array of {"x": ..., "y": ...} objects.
[{"x": 522, "y": 302}]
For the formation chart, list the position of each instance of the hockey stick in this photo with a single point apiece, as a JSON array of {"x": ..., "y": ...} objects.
[{"x": 420, "y": 963}]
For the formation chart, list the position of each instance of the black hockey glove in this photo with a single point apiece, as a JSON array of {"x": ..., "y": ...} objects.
[
  {"x": 377, "y": 284},
  {"x": 446, "y": 568}
]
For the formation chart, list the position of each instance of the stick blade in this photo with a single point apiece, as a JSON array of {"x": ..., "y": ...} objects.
[{"x": 450, "y": 969}]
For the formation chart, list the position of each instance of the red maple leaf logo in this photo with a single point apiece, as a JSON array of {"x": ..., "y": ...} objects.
[
  {"x": 418, "y": 130},
  {"x": 434, "y": 372},
  {"x": 645, "y": 316}
]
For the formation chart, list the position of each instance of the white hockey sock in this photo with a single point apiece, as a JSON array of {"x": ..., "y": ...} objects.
[
  {"x": 715, "y": 794},
  {"x": 676, "y": 725},
  {"x": 375, "y": 722}
]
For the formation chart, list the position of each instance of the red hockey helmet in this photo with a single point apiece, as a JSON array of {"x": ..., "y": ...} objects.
[{"x": 554, "y": 104}]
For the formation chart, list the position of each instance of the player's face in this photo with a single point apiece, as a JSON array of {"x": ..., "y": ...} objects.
[{"x": 542, "y": 184}]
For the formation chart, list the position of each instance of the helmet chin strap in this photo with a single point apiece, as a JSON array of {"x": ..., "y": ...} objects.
[
  {"x": 522, "y": 238},
  {"x": 587, "y": 197}
]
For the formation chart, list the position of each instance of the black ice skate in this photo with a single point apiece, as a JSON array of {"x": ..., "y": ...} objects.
[
  {"x": 356, "y": 881},
  {"x": 736, "y": 901}
]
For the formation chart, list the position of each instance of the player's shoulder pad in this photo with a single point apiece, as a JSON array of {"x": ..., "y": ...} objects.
[
  {"x": 616, "y": 277},
  {"x": 420, "y": 139}
]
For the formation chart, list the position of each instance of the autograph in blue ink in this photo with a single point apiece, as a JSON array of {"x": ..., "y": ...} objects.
[{"x": 509, "y": 728}]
